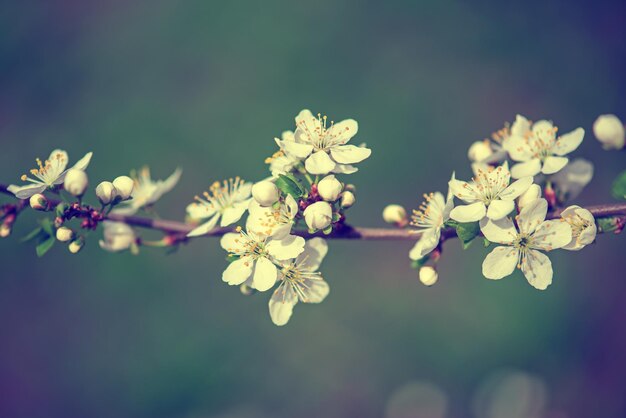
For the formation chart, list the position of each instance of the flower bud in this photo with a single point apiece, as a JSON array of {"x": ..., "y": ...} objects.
[
  {"x": 428, "y": 275},
  {"x": 350, "y": 187},
  {"x": 318, "y": 215},
  {"x": 479, "y": 151},
  {"x": 246, "y": 290},
  {"x": 395, "y": 214},
  {"x": 533, "y": 193},
  {"x": 38, "y": 202},
  {"x": 124, "y": 186},
  {"x": 75, "y": 182},
  {"x": 76, "y": 245},
  {"x": 106, "y": 192},
  {"x": 265, "y": 193},
  {"x": 329, "y": 188},
  {"x": 5, "y": 230},
  {"x": 347, "y": 199},
  {"x": 610, "y": 131},
  {"x": 64, "y": 234}
]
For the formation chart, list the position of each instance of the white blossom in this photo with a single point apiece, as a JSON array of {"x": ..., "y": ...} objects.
[
  {"x": 324, "y": 148},
  {"x": 299, "y": 281},
  {"x": 488, "y": 194},
  {"x": 539, "y": 150},
  {"x": 318, "y": 215},
  {"x": 256, "y": 256},
  {"x": 522, "y": 244},
  {"x": 265, "y": 193},
  {"x": 583, "y": 226},
  {"x": 570, "y": 181},
  {"x": 479, "y": 151},
  {"x": 124, "y": 186},
  {"x": 282, "y": 162},
  {"x": 147, "y": 191},
  {"x": 118, "y": 236},
  {"x": 609, "y": 130},
  {"x": 275, "y": 221},
  {"x": 48, "y": 174},
  {"x": 329, "y": 188},
  {"x": 227, "y": 201},
  {"x": 75, "y": 182}
]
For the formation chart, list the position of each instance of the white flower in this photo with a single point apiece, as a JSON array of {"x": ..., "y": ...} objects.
[
  {"x": 610, "y": 131},
  {"x": 491, "y": 151},
  {"x": 106, "y": 192},
  {"x": 324, "y": 147},
  {"x": 570, "y": 181},
  {"x": 539, "y": 150},
  {"x": 299, "y": 281},
  {"x": 533, "y": 193},
  {"x": 118, "y": 236},
  {"x": 429, "y": 220},
  {"x": 228, "y": 201},
  {"x": 480, "y": 151},
  {"x": 347, "y": 199},
  {"x": 318, "y": 215},
  {"x": 64, "y": 234},
  {"x": 124, "y": 186},
  {"x": 428, "y": 275},
  {"x": 583, "y": 226},
  {"x": 48, "y": 174},
  {"x": 257, "y": 253},
  {"x": 265, "y": 193},
  {"x": 533, "y": 233},
  {"x": 329, "y": 188},
  {"x": 147, "y": 191},
  {"x": 281, "y": 162},
  {"x": 75, "y": 182},
  {"x": 395, "y": 214},
  {"x": 488, "y": 194},
  {"x": 272, "y": 221}
]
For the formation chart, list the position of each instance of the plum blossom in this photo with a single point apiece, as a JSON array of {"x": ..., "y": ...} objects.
[
  {"x": 147, "y": 191},
  {"x": 274, "y": 221},
  {"x": 522, "y": 244},
  {"x": 583, "y": 226},
  {"x": 299, "y": 281},
  {"x": 282, "y": 162}
]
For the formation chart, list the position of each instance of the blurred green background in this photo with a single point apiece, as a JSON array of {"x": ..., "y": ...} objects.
[{"x": 206, "y": 86}]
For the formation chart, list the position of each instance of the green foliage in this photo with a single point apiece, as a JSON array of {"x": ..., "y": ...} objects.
[
  {"x": 618, "y": 190},
  {"x": 288, "y": 184},
  {"x": 45, "y": 246},
  {"x": 467, "y": 232}
]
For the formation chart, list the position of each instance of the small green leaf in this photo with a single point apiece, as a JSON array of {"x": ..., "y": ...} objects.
[
  {"x": 619, "y": 186},
  {"x": 45, "y": 246},
  {"x": 46, "y": 225},
  {"x": 486, "y": 242},
  {"x": 35, "y": 233},
  {"x": 466, "y": 244},
  {"x": 289, "y": 185},
  {"x": 467, "y": 231},
  {"x": 416, "y": 264},
  {"x": 609, "y": 224}
]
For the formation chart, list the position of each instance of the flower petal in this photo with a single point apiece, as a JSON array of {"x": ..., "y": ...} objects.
[
  {"x": 502, "y": 231},
  {"x": 238, "y": 271},
  {"x": 283, "y": 249},
  {"x": 537, "y": 268},
  {"x": 83, "y": 162},
  {"x": 427, "y": 242},
  {"x": 314, "y": 252},
  {"x": 296, "y": 149},
  {"x": 319, "y": 163},
  {"x": 344, "y": 130},
  {"x": 233, "y": 242},
  {"x": 529, "y": 168},
  {"x": 350, "y": 154},
  {"x": 532, "y": 215},
  {"x": 462, "y": 190},
  {"x": 198, "y": 210},
  {"x": 500, "y": 262},
  {"x": 551, "y": 235},
  {"x": 314, "y": 290},
  {"x": 569, "y": 142},
  {"x": 571, "y": 180},
  {"x": 518, "y": 148},
  {"x": 498, "y": 209},
  {"x": 265, "y": 274},
  {"x": 205, "y": 227},
  {"x": 281, "y": 304},
  {"x": 234, "y": 213},
  {"x": 517, "y": 188},
  {"x": 469, "y": 213},
  {"x": 25, "y": 192},
  {"x": 345, "y": 169},
  {"x": 552, "y": 165},
  {"x": 521, "y": 126}
]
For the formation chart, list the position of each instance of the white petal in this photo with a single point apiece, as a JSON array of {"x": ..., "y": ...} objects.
[
  {"x": 234, "y": 213},
  {"x": 427, "y": 242},
  {"x": 319, "y": 163},
  {"x": 265, "y": 274},
  {"x": 568, "y": 142},
  {"x": 232, "y": 242},
  {"x": 59, "y": 159},
  {"x": 462, "y": 190},
  {"x": 238, "y": 271},
  {"x": 532, "y": 215},
  {"x": 169, "y": 183},
  {"x": 469, "y": 213},
  {"x": 518, "y": 148},
  {"x": 243, "y": 192},
  {"x": 345, "y": 169},
  {"x": 286, "y": 248},
  {"x": 314, "y": 290},
  {"x": 521, "y": 126},
  {"x": 25, "y": 192},
  {"x": 281, "y": 304},
  {"x": 205, "y": 227},
  {"x": 502, "y": 231},
  {"x": 538, "y": 269},
  {"x": 498, "y": 209},
  {"x": 551, "y": 235},
  {"x": 350, "y": 154},
  {"x": 571, "y": 180},
  {"x": 198, "y": 210},
  {"x": 83, "y": 162},
  {"x": 528, "y": 168},
  {"x": 517, "y": 188},
  {"x": 552, "y": 165},
  {"x": 344, "y": 130},
  {"x": 314, "y": 252},
  {"x": 500, "y": 262},
  {"x": 296, "y": 149}
]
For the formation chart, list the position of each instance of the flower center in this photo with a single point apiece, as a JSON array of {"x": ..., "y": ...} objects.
[
  {"x": 46, "y": 172},
  {"x": 221, "y": 196},
  {"x": 429, "y": 214}
]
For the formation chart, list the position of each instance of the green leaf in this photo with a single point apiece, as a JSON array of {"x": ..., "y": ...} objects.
[
  {"x": 35, "y": 233},
  {"x": 486, "y": 242},
  {"x": 336, "y": 216},
  {"x": 45, "y": 246},
  {"x": 328, "y": 230},
  {"x": 609, "y": 224},
  {"x": 619, "y": 186},
  {"x": 232, "y": 257},
  {"x": 288, "y": 184},
  {"x": 466, "y": 244},
  {"x": 46, "y": 225},
  {"x": 467, "y": 232},
  {"x": 416, "y": 264}
]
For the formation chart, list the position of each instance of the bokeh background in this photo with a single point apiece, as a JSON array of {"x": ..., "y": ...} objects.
[{"x": 206, "y": 86}]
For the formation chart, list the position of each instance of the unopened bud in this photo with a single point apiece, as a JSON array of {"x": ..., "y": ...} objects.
[
  {"x": 428, "y": 275},
  {"x": 479, "y": 151},
  {"x": 265, "y": 193},
  {"x": 610, "y": 131},
  {"x": 318, "y": 215},
  {"x": 5, "y": 230},
  {"x": 347, "y": 199},
  {"x": 350, "y": 187},
  {"x": 106, "y": 192},
  {"x": 124, "y": 186},
  {"x": 38, "y": 202},
  {"x": 246, "y": 290},
  {"x": 533, "y": 193},
  {"x": 76, "y": 245},
  {"x": 395, "y": 214},
  {"x": 64, "y": 234},
  {"x": 75, "y": 182},
  {"x": 329, "y": 188}
]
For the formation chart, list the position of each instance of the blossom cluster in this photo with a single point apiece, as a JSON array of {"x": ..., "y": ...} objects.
[{"x": 302, "y": 189}]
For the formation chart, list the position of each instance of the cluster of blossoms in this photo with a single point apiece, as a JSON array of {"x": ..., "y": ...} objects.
[
  {"x": 302, "y": 188},
  {"x": 509, "y": 206}
]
